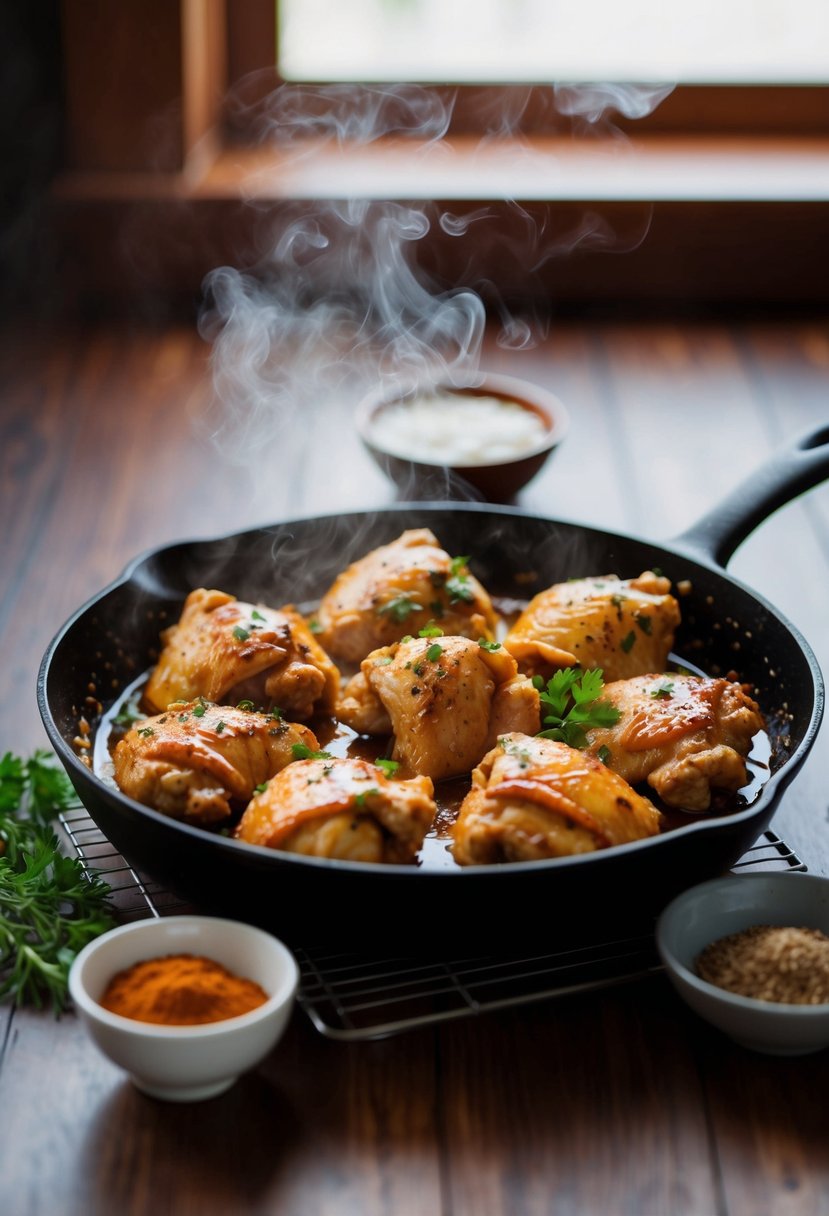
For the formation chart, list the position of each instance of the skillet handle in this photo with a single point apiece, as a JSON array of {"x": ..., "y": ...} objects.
[{"x": 801, "y": 464}]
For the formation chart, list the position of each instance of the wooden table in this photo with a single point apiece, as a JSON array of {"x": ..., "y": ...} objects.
[{"x": 616, "y": 1102}]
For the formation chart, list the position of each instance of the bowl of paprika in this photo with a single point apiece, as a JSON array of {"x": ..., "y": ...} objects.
[{"x": 185, "y": 1004}]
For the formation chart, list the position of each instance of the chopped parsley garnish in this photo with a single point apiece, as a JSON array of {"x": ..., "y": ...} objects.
[
  {"x": 665, "y": 689},
  {"x": 260, "y": 788},
  {"x": 457, "y": 583},
  {"x": 604, "y": 753},
  {"x": 572, "y": 699},
  {"x": 127, "y": 716},
  {"x": 314, "y": 625},
  {"x": 384, "y": 662},
  {"x": 276, "y": 712},
  {"x": 490, "y": 646},
  {"x": 434, "y": 652},
  {"x": 458, "y": 590},
  {"x": 400, "y": 608},
  {"x": 644, "y": 622},
  {"x": 145, "y": 731},
  {"x": 388, "y": 767},
  {"x": 244, "y": 704},
  {"x": 240, "y": 634},
  {"x": 301, "y": 751},
  {"x": 198, "y": 710},
  {"x": 627, "y": 642},
  {"x": 360, "y": 800},
  {"x": 257, "y": 616},
  {"x": 430, "y": 631},
  {"x": 219, "y": 727}
]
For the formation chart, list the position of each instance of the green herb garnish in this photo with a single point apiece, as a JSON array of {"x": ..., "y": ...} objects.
[
  {"x": 257, "y": 616},
  {"x": 260, "y": 788},
  {"x": 400, "y": 608},
  {"x": 146, "y": 731},
  {"x": 430, "y": 631},
  {"x": 50, "y": 906},
  {"x": 604, "y": 753},
  {"x": 491, "y": 647},
  {"x": 314, "y": 625},
  {"x": 388, "y": 767},
  {"x": 240, "y": 634},
  {"x": 627, "y": 642},
  {"x": 199, "y": 710},
  {"x": 665, "y": 689},
  {"x": 360, "y": 800},
  {"x": 572, "y": 698},
  {"x": 301, "y": 751},
  {"x": 244, "y": 704},
  {"x": 644, "y": 622},
  {"x": 434, "y": 652}
]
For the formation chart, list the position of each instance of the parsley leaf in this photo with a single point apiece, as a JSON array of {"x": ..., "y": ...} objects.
[
  {"x": 400, "y": 608},
  {"x": 572, "y": 698},
  {"x": 240, "y": 634},
  {"x": 50, "y": 906},
  {"x": 434, "y": 652},
  {"x": 301, "y": 751},
  {"x": 430, "y": 631},
  {"x": 490, "y": 646},
  {"x": 388, "y": 767}
]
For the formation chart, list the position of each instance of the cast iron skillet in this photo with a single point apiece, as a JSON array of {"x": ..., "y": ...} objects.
[{"x": 725, "y": 627}]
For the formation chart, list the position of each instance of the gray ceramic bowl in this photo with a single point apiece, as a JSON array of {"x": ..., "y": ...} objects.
[
  {"x": 494, "y": 477},
  {"x": 723, "y": 906}
]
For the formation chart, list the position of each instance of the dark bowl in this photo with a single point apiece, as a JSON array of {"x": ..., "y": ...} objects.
[{"x": 420, "y": 477}]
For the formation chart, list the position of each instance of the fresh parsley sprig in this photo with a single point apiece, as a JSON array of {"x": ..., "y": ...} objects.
[
  {"x": 50, "y": 907},
  {"x": 572, "y": 699}
]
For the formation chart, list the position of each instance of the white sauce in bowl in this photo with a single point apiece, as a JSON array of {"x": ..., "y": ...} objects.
[{"x": 457, "y": 430}]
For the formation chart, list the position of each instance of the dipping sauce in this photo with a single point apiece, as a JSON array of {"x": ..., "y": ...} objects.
[{"x": 457, "y": 429}]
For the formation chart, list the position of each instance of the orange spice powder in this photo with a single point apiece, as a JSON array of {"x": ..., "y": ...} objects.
[{"x": 180, "y": 990}]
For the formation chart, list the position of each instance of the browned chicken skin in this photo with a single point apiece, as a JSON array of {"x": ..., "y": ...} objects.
[
  {"x": 624, "y": 626},
  {"x": 195, "y": 760},
  {"x": 444, "y": 699},
  {"x": 396, "y": 590},
  {"x": 226, "y": 650},
  {"x": 346, "y": 809},
  {"x": 684, "y": 735},
  {"x": 535, "y": 798}
]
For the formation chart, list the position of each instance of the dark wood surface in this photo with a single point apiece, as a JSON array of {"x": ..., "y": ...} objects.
[{"x": 616, "y": 1102}]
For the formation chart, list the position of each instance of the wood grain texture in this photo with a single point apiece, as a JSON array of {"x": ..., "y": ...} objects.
[{"x": 620, "y": 1102}]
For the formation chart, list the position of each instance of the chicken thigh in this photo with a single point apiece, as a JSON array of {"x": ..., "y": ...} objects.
[
  {"x": 345, "y": 809},
  {"x": 444, "y": 699},
  {"x": 536, "y": 798},
  {"x": 684, "y": 735},
  {"x": 624, "y": 626},
  {"x": 195, "y": 760},
  {"x": 226, "y": 650},
  {"x": 396, "y": 590}
]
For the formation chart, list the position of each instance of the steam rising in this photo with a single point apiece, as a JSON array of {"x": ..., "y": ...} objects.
[{"x": 335, "y": 304}]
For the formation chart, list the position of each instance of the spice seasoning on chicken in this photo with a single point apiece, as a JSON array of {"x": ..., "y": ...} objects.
[
  {"x": 181, "y": 990},
  {"x": 770, "y": 963}
]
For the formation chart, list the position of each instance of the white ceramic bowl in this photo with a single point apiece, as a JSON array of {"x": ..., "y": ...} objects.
[
  {"x": 723, "y": 906},
  {"x": 186, "y": 1063}
]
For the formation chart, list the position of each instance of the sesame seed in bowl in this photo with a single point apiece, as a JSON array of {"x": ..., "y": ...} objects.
[{"x": 749, "y": 953}]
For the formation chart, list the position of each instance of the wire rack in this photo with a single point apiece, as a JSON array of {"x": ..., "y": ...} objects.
[{"x": 358, "y": 996}]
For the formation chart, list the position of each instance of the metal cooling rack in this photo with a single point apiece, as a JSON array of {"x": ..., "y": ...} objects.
[{"x": 354, "y": 996}]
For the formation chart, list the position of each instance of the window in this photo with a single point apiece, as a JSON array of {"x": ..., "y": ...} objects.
[{"x": 501, "y": 41}]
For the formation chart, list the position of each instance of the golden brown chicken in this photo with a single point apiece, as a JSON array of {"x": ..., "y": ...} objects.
[
  {"x": 396, "y": 590},
  {"x": 445, "y": 699},
  {"x": 536, "y": 798},
  {"x": 196, "y": 760},
  {"x": 624, "y": 626},
  {"x": 684, "y": 735},
  {"x": 346, "y": 809},
  {"x": 228, "y": 651}
]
